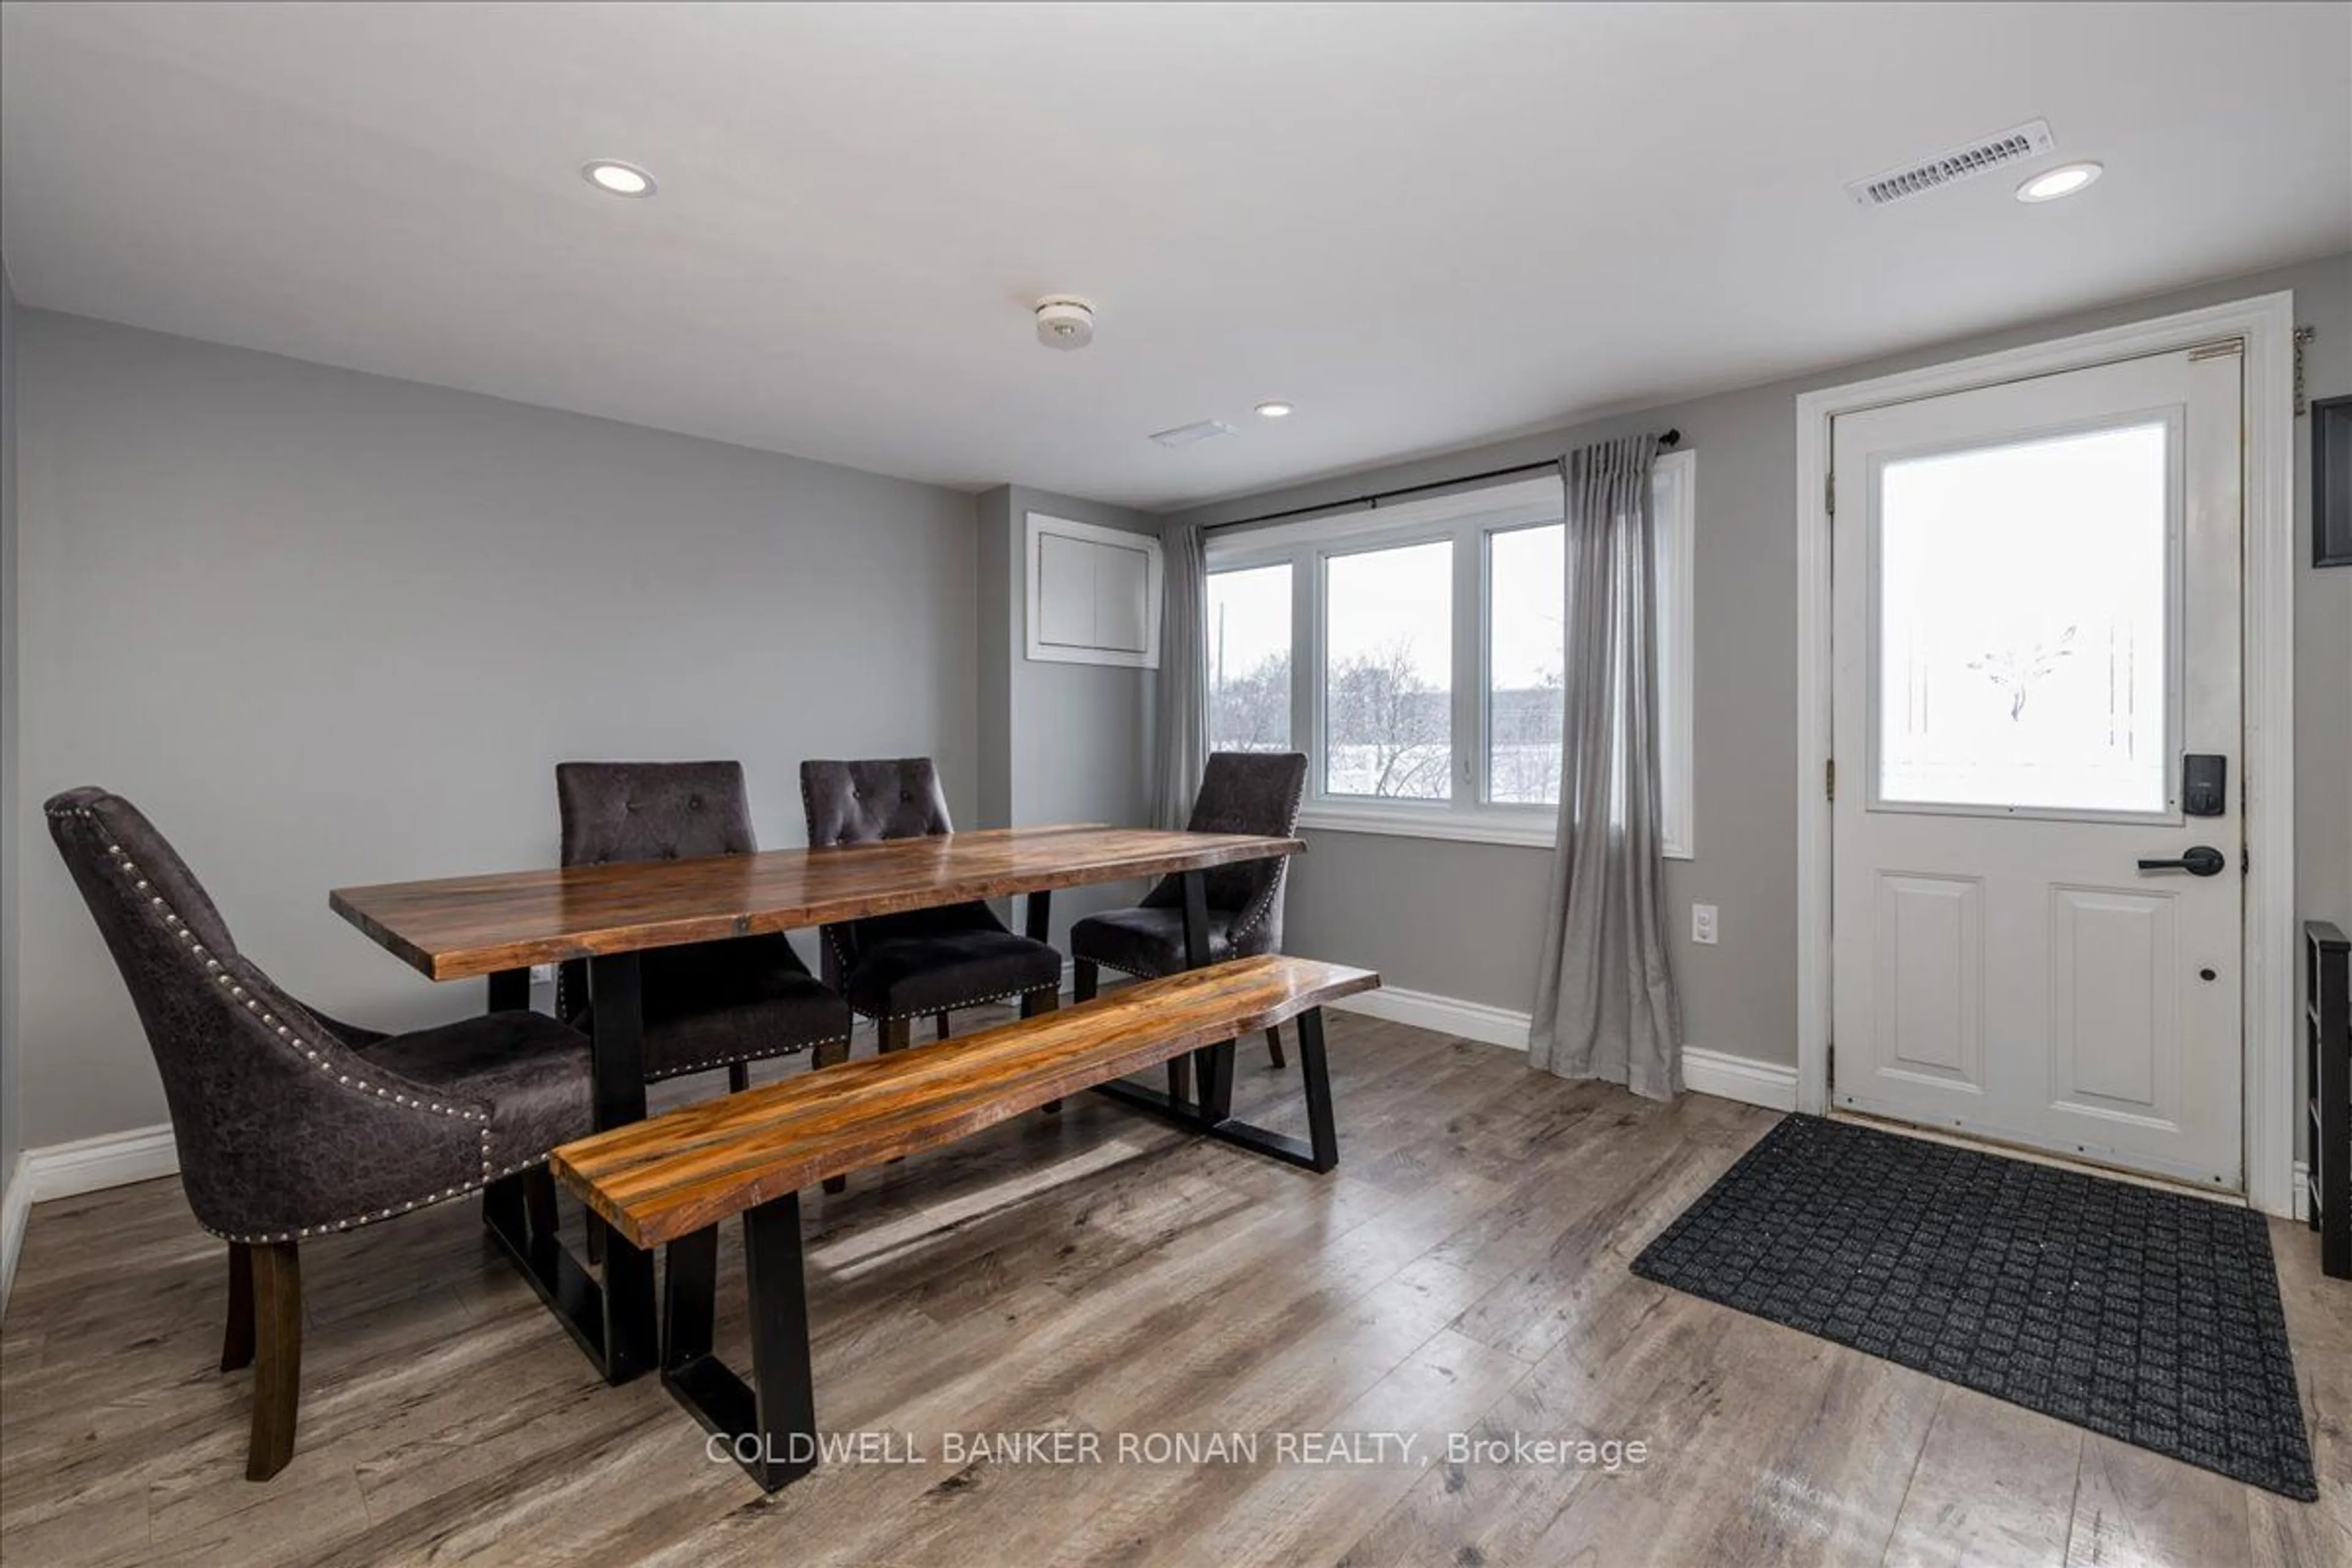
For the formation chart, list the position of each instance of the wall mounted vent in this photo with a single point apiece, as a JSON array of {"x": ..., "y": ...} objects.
[
  {"x": 1188, "y": 435},
  {"x": 2030, "y": 140}
]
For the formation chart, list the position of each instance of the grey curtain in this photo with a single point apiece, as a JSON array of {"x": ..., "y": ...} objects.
[
  {"x": 1606, "y": 1002},
  {"x": 1183, "y": 706}
]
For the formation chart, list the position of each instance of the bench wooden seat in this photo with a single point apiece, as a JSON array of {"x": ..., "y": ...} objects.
[{"x": 671, "y": 1179}]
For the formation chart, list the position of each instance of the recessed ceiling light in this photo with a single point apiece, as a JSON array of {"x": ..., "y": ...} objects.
[
  {"x": 616, "y": 178},
  {"x": 1275, "y": 408},
  {"x": 2062, "y": 181}
]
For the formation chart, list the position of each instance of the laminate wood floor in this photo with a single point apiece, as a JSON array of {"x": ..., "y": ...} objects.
[{"x": 1095, "y": 1276}]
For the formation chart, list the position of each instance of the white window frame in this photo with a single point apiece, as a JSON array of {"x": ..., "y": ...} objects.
[{"x": 1467, "y": 518}]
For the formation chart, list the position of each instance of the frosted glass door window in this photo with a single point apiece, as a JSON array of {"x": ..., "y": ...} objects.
[{"x": 2024, "y": 628}]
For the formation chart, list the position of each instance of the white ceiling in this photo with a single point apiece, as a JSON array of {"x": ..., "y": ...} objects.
[{"x": 1426, "y": 224}]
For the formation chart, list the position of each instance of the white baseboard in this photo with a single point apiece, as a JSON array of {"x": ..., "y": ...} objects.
[
  {"x": 92, "y": 1165},
  {"x": 1768, "y": 1084},
  {"x": 1771, "y": 1085},
  {"x": 1442, "y": 1015},
  {"x": 15, "y": 1206},
  {"x": 2299, "y": 1200},
  {"x": 69, "y": 1169}
]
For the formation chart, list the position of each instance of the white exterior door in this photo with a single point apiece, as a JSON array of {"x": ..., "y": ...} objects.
[{"x": 2037, "y": 592}]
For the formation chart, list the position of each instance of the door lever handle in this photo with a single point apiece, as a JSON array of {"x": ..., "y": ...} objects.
[{"x": 2202, "y": 861}]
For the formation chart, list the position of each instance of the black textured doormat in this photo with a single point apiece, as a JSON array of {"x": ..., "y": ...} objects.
[{"x": 2146, "y": 1316}]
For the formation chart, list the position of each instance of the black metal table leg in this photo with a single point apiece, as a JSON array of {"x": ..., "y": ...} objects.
[
  {"x": 770, "y": 1423},
  {"x": 1037, "y": 915},
  {"x": 616, "y": 991},
  {"x": 613, "y": 1321},
  {"x": 510, "y": 991},
  {"x": 1203, "y": 1070}
]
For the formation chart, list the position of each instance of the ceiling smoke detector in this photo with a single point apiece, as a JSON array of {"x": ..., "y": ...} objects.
[
  {"x": 1064, "y": 321},
  {"x": 1999, "y": 151}
]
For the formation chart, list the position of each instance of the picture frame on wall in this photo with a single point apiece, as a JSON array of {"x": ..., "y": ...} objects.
[{"x": 2331, "y": 482}]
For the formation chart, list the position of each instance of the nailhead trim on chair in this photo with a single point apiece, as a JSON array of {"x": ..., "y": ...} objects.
[
  {"x": 1252, "y": 917},
  {"x": 731, "y": 1061},
  {"x": 562, "y": 1011},
  {"x": 957, "y": 1006},
  {"x": 322, "y": 1060}
]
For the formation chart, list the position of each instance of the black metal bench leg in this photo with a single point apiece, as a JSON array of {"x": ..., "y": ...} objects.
[
  {"x": 1314, "y": 1070},
  {"x": 783, "y": 1389},
  {"x": 690, "y": 1303},
  {"x": 769, "y": 1425}
]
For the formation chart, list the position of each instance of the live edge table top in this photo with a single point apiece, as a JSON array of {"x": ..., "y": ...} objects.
[{"x": 455, "y": 927}]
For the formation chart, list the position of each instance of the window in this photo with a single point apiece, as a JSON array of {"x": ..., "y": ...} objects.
[
  {"x": 1432, "y": 632},
  {"x": 1388, "y": 673},
  {"x": 1527, "y": 656},
  {"x": 1249, "y": 659}
]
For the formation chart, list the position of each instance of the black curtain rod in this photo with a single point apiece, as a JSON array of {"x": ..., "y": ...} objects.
[{"x": 1373, "y": 500}]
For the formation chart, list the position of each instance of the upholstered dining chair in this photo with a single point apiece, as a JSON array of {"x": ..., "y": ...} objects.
[
  {"x": 707, "y": 1004},
  {"x": 897, "y": 968},
  {"x": 1240, "y": 792},
  {"x": 291, "y": 1124}
]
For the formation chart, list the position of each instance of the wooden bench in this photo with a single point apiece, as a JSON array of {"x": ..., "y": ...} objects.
[{"x": 670, "y": 1180}]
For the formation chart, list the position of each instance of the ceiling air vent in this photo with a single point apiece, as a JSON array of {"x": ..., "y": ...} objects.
[
  {"x": 2030, "y": 140},
  {"x": 1186, "y": 435}
]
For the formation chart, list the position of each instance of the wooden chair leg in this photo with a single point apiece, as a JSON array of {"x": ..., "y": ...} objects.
[
  {"x": 897, "y": 1034},
  {"x": 739, "y": 1076},
  {"x": 1274, "y": 1047},
  {"x": 939, "y": 1026},
  {"x": 277, "y": 1373},
  {"x": 1086, "y": 979},
  {"x": 236, "y": 1343}
]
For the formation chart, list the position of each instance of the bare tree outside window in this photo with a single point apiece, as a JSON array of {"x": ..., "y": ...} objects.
[
  {"x": 1388, "y": 711},
  {"x": 1249, "y": 659},
  {"x": 1389, "y": 732},
  {"x": 1526, "y": 658}
]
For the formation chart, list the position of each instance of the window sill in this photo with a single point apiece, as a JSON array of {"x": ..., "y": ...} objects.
[
  {"x": 1532, "y": 832},
  {"x": 1461, "y": 828}
]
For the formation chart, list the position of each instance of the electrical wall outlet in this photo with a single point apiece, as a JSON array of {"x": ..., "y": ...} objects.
[
  {"x": 543, "y": 975},
  {"x": 1703, "y": 924}
]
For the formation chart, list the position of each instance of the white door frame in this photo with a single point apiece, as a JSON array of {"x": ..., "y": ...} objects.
[{"x": 2267, "y": 327}]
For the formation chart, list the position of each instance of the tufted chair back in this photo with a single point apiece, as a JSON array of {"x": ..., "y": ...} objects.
[
  {"x": 281, "y": 1124},
  {"x": 861, "y": 803},
  {"x": 652, "y": 811},
  {"x": 866, "y": 803},
  {"x": 1244, "y": 792}
]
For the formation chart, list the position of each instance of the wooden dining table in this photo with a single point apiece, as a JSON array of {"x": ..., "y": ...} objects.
[{"x": 499, "y": 925}]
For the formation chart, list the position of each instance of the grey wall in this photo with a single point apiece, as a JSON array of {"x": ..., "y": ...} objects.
[
  {"x": 12, "y": 1106},
  {"x": 1060, "y": 742},
  {"x": 331, "y": 628},
  {"x": 1460, "y": 920}
]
